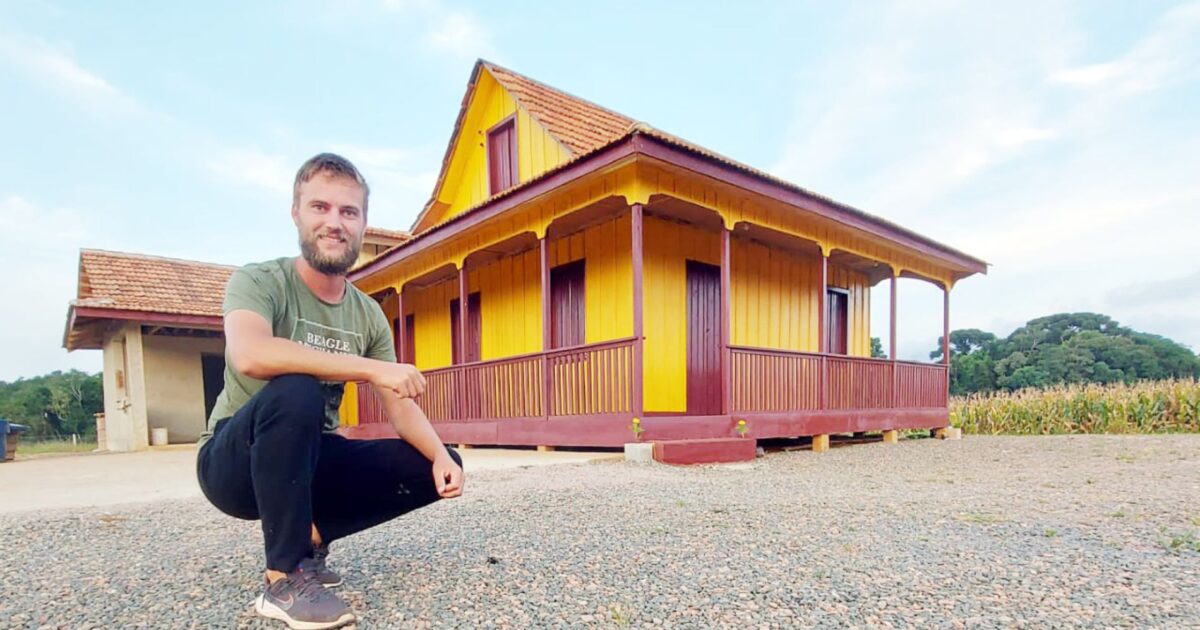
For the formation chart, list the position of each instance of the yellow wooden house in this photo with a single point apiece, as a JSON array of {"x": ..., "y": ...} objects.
[{"x": 575, "y": 269}]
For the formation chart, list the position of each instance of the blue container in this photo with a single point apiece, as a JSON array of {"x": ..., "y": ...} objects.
[{"x": 3, "y": 440}]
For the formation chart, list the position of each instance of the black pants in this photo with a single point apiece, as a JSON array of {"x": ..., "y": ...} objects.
[{"x": 272, "y": 461}]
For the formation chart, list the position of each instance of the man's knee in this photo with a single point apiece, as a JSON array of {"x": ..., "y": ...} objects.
[{"x": 294, "y": 394}]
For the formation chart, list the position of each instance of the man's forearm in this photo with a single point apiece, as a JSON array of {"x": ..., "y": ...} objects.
[
  {"x": 270, "y": 357},
  {"x": 412, "y": 424}
]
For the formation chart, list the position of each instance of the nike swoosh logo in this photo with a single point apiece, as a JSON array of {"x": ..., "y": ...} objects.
[{"x": 286, "y": 604}]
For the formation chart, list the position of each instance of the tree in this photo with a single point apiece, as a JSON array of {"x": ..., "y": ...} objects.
[
  {"x": 877, "y": 348},
  {"x": 1062, "y": 348}
]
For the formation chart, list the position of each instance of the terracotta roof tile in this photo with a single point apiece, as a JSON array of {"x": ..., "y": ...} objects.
[
  {"x": 136, "y": 282},
  {"x": 582, "y": 126},
  {"x": 398, "y": 235}
]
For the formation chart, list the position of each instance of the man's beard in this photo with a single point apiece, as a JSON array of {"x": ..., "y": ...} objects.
[{"x": 329, "y": 266}]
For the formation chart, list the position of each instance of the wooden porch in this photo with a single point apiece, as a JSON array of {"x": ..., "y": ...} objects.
[{"x": 585, "y": 396}]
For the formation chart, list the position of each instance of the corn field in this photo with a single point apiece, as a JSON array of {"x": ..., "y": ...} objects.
[{"x": 1169, "y": 406}]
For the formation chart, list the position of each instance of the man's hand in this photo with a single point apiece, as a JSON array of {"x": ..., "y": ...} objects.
[
  {"x": 401, "y": 378},
  {"x": 447, "y": 476}
]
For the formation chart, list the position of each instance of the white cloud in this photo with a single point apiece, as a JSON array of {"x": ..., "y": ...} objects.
[
  {"x": 456, "y": 31},
  {"x": 1167, "y": 55},
  {"x": 249, "y": 166},
  {"x": 460, "y": 34},
  {"x": 45, "y": 63},
  {"x": 39, "y": 246},
  {"x": 400, "y": 180},
  {"x": 942, "y": 125}
]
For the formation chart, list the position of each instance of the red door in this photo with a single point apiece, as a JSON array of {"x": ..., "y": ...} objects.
[
  {"x": 837, "y": 314},
  {"x": 567, "y": 305},
  {"x": 703, "y": 339},
  {"x": 474, "y": 330}
]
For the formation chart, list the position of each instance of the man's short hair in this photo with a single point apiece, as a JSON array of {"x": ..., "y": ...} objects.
[{"x": 331, "y": 164}]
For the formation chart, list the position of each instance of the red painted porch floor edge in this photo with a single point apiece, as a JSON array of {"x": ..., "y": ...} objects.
[{"x": 704, "y": 451}]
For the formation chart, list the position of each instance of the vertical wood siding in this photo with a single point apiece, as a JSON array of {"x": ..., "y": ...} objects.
[{"x": 466, "y": 180}]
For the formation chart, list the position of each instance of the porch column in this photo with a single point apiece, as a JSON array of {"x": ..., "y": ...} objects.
[
  {"x": 726, "y": 297},
  {"x": 946, "y": 336},
  {"x": 892, "y": 344},
  {"x": 547, "y": 377},
  {"x": 400, "y": 327},
  {"x": 460, "y": 377},
  {"x": 637, "y": 405},
  {"x": 822, "y": 297},
  {"x": 946, "y": 325},
  {"x": 462, "y": 314}
]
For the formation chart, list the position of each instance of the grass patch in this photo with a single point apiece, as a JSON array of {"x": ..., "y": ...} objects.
[
  {"x": 981, "y": 518},
  {"x": 47, "y": 447},
  {"x": 1050, "y": 533},
  {"x": 1176, "y": 543}
]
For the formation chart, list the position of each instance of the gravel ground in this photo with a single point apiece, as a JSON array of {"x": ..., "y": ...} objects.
[{"x": 989, "y": 531}]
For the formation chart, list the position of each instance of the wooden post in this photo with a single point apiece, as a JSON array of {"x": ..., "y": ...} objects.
[
  {"x": 946, "y": 326},
  {"x": 820, "y": 443},
  {"x": 891, "y": 436},
  {"x": 726, "y": 297},
  {"x": 637, "y": 404},
  {"x": 822, "y": 297},
  {"x": 400, "y": 327},
  {"x": 946, "y": 337},
  {"x": 460, "y": 375},
  {"x": 892, "y": 345},
  {"x": 547, "y": 377}
]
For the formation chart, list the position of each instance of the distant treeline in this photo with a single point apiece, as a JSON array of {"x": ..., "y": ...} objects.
[
  {"x": 1067, "y": 348},
  {"x": 55, "y": 405}
]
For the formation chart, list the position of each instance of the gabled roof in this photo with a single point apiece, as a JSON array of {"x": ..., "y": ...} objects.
[
  {"x": 137, "y": 287},
  {"x": 137, "y": 282},
  {"x": 579, "y": 125}
]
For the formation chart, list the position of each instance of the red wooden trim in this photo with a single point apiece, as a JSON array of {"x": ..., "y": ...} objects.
[
  {"x": 892, "y": 333},
  {"x": 852, "y": 217},
  {"x": 892, "y": 343},
  {"x": 638, "y": 384},
  {"x": 945, "y": 325},
  {"x": 599, "y": 160},
  {"x": 946, "y": 335},
  {"x": 150, "y": 317},
  {"x": 726, "y": 323},
  {"x": 658, "y": 149},
  {"x": 547, "y": 377},
  {"x": 823, "y": 299},
  {"x": 401, "y": 327}
]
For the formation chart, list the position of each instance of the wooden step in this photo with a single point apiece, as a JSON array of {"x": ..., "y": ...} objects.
[{"x": 706, "y": 451}]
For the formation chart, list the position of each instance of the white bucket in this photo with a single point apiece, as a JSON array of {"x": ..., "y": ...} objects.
[{"x": 158, "y": 436}]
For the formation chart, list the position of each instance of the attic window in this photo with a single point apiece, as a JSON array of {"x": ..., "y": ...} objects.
[{"x": 502, "y": 155}]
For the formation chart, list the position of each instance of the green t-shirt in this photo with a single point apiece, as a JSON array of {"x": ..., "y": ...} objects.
[{"x": 273, "y": 289}]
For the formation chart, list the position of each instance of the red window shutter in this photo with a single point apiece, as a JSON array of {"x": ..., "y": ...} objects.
[
  {"x": 502, "y": 156},
  {"x": 567, "y": 305}
]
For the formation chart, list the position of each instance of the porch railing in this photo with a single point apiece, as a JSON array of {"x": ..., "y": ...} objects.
[
  {"x": 597, "y": 379},
  {"x": 593, "y": 379},
  {"x": 782, "y": 380}
]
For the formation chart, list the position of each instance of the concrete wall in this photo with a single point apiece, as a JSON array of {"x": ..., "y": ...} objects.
[
  {"x": 175, "y": 384},
  {"x": 125, "y": 390}
]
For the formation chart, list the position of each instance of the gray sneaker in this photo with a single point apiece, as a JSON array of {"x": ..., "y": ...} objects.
[
  {"x": 325, "y": 575},
  {"x": 301, "y": 602}
]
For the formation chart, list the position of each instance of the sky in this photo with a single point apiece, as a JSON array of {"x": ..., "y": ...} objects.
[{"x": 1059, "y": 141}]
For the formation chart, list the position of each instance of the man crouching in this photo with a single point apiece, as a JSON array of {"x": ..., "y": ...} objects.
[{"x": 296, "y": 331}]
